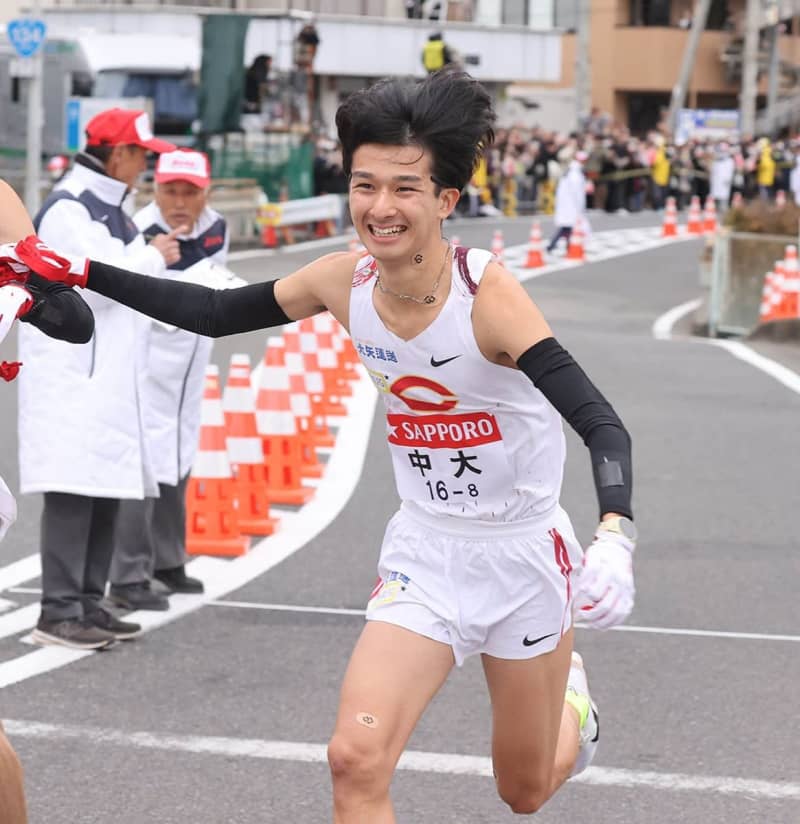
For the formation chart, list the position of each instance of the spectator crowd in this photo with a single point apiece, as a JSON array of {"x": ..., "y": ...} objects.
[{"x": 626, "y": 172}]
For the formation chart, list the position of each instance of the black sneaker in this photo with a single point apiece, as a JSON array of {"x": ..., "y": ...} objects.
[
  {"x": 75, "y": 633},
  {"x": 137, "y": 596},
  {"x": 121, "y": 630},
  {"x": 178, "y": 581}
]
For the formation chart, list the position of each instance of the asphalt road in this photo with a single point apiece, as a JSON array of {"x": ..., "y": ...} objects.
[{"x": 221, "y": 716}]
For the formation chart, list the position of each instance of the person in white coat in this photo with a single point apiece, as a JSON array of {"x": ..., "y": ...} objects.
[
  {"x": 80, "y": 415},
  {"x": 723, "y": 168},
  {"x": 150, "y": 538},
  {"x": 794, "y": 176},
  {"x": 570, "y": 200}
]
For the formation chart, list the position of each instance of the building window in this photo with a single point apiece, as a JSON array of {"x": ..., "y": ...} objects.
[{"x": 650, "y": 12}]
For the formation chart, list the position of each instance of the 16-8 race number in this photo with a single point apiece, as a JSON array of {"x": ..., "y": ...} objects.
[{"x": 440, "y": 491}]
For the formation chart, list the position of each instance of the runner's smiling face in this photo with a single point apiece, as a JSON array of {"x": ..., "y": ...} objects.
[{"x": 395, "y": 205}]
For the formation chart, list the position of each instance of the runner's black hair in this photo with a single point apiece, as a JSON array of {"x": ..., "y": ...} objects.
[{"x": 449, "y": 114}]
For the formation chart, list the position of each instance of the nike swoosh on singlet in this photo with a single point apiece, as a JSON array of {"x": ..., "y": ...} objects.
[
  {"x": 527, "y": 642},
  {"x": 435, "y": 362}
]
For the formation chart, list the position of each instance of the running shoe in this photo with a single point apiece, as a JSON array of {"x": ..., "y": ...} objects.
[{"x": 578, "y": 697}]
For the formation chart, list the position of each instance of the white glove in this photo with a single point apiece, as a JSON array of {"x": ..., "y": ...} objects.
[{"x": 605, "y": 592}]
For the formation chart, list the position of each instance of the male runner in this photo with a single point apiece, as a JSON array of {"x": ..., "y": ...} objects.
[{"x": 480, "y": 558}]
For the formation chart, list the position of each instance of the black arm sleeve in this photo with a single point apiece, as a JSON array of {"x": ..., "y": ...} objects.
[
  {"x": 58, "y": 311},
  {"x": 566, "y": 386},
  {"x": 211, "y": 312}
]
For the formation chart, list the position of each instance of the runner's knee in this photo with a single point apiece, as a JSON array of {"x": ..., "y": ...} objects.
[
  {"x": 358, "y": 764},
  {"x": 524, "y": 795}
]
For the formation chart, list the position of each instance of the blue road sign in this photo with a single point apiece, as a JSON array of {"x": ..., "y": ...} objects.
[
  {"x": 72, "y": 121},
  {"x": 26, "y": 36}
]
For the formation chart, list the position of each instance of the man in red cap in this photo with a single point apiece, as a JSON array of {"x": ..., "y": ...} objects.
[
  {"x": 150, "y": 537},
  {"x": 81, "y": 422}
]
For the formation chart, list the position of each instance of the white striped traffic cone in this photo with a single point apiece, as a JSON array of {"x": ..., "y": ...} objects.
[{"x": 245, "y": 450}]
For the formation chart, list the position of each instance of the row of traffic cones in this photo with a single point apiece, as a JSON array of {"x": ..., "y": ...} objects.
[
  {"x": 257, "y": 446},
  {"x": 534, "y": 258},
  {"x": 780, "y": 297},
  {"x": 699, "y": 222}
]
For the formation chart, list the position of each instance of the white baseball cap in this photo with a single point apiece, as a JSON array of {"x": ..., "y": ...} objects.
[{"x": 184, "y": 164}]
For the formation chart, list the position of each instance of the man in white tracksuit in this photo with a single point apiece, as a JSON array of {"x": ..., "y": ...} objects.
[
  {"x": 80, "y": 407},
  {"x": 570, "y": 200},
  {"x": 150, "y": 539},
  {"x": 723, "y": 168}
]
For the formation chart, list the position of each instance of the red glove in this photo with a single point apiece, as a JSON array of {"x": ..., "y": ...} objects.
[{"x": 41, "y": 259}]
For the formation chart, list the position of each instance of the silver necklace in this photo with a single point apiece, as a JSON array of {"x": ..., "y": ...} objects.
[{"x": 428, "y": 299}]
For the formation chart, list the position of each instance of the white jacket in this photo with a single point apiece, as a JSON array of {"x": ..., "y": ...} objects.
[
  {"x": 794, "y": 180},
  {"x": 722, "y": 170},
  {"x": 570, "y": 196},
  {"x": 80, "y": 416},
  {"x": 177, "y": 359}
]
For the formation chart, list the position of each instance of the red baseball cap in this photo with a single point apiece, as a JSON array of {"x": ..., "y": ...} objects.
[
  {"x": 124, "y": 127},
  {"x": 184, "y": 164}
]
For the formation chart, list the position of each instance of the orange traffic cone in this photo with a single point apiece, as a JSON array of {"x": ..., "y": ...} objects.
[
  {"x": 323, "y": 401},
  {"x": 300, "y": 404},
  {"x": 670, "y": 226},
  {"x": 278, "y": 431},
  {"x": 349, "y": 351},
  {"x": 535, "y": 258},
  {"x": 245, "y": 451},
  {"x": 710, "y": 216},
  {"x": 310, "y": 384},
  {"x": 325, "y": 323},
  {"x": 791, "y": 286},
  {"x": 694, "y": 224},
  {"x": 324, "y": 228},
  {"x": 269, "y": 237},
  {"x": 321, "y": 344},
  {"x": 765, "y": 309},
  {"x": 575, "y": 250},
  {"x": 780, "y": 198},
  {"x": 212, "y": 518},
  {"x": 498, "y": 247}
]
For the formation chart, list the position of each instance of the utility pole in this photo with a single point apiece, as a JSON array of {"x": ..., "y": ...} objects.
[
  {"x": 33, "y": 147},
  {"x": 772, "y": 87},
  {"x": 747, "y": 99},
  {"x": 583, "y": 80},
  {"x": 681, "y": 86}
]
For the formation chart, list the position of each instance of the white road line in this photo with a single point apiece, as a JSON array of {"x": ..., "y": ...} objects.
[
  {"x": 662, "y": 330},
  {"x": 288, "y": 608},
  {"x": 709, "y": 633},
  {"x": 697, "y": 633},
  {"x": 20, "y": 571},
  {"x": 342, "y": 473},
  {"x": 412, "y": 760},
  {"x": 18, "y": 621}
]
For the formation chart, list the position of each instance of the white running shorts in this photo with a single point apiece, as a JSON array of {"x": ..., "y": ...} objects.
[{"x": 504, "y": 589}]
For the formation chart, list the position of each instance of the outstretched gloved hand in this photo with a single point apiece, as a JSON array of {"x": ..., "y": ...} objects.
[
  {"x": 605, "y": 592},
  {"x": 32, "y": 254}
]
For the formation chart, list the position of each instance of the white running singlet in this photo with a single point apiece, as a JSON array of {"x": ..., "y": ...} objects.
[{"x": 468, "y": 438}]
